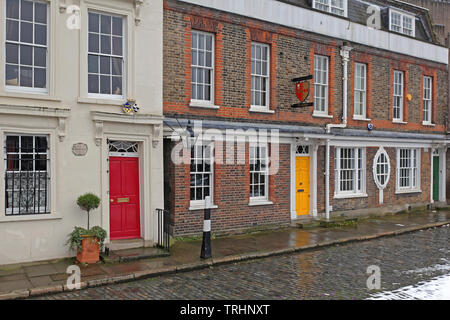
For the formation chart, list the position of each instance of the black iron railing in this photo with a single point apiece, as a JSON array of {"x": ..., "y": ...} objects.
[{"x": 163, "y": 229}]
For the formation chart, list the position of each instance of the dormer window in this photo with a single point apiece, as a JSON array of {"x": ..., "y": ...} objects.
[
  {"x": 338, "y": 7},
  {"x": 402, "y": 22}
]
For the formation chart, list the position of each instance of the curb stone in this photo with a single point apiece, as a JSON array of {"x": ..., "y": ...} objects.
[
  {"x": 20, "y": 294},
  {"x": 45, "y": 290},
  {"x": 17, "y": 294}
]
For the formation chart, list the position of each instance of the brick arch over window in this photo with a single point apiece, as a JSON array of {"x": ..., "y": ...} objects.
[
  {"x": 265, "y": 37},
  {"x": 404, "y": 67},
  {"x": 429, "y": 72},
  {"x": 216, "y": 28},
  {"x": 366, "y": 59},
  {"x": 330, "y": 52}
]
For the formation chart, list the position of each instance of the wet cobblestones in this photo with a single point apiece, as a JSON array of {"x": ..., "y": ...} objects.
[{"x": 337, "y": 272}]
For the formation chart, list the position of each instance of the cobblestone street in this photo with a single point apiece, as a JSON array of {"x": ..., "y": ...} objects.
[{"x": 337, "y": 272}]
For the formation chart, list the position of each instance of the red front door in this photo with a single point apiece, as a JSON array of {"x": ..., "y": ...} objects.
[{"x": 124, "y": 198}]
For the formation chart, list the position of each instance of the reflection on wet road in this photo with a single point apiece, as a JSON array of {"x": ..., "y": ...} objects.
[{"x": 413, "y": 266}]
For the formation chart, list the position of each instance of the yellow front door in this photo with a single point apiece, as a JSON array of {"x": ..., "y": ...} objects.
[{"x": 302, "y": 185}]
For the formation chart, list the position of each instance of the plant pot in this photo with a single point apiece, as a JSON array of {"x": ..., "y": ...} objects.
[{"x": 90, "y": 250}]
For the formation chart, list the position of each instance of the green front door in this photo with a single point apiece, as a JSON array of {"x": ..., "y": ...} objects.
[{"x": 436, "y": 178}]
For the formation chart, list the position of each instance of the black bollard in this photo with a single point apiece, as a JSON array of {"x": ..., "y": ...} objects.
[{"x": 206, "y": 243}]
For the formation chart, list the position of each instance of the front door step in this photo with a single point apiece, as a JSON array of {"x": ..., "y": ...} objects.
[
  {"x": 134, "y": 254},
  {"x": 124, "y": 244}
]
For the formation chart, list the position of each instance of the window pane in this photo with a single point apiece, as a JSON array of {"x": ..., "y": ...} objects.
[
  {"x": 26, "y": 10},
  {"x": 40, "y": 12},
  {"x": 12, "y": 75},
  {"x": 106, "y": 24},
  {"x": 40, "y": 34},
  {"x": 26, "y": 32},
  {"x": 105, "y": 65},
  {"x": 93, "y": 64},
  {"x": 93, "y": 42},
  {"x": 117, "y": 26},
  {"x": 26, "y": 76},
  {"x": 12, "y": 30},
  {"x": 116, "y": 66},
  {"x": 117, "y": 46},
  {"x": 12, "y": 9},
  {"x": 40, "y": 57},
  {"x": 106, "y": 44},
  {"x": 117, "y": 85},
  {"x": 40, "y": 78},
  {"x": 93, "y": 84},
  {"x": 105, "y": 84},
  {"x": 26, "y": 55},
  {"x": 94, "y": 20},
  {"x": 12, "y": 53}
]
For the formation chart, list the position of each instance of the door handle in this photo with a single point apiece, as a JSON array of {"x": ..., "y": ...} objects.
[
  {"x": 111, "y": 200},
  {"x": 301, "y": 190}
]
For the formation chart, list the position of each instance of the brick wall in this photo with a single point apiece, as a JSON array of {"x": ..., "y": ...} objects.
[
  {"x": 292, "y": 55},
  {"x": 372, "y": 201},
  {"x": 231, "y": 195}
]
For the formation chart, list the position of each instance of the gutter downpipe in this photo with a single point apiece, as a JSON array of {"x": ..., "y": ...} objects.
[{"x": 345, "y": 54}]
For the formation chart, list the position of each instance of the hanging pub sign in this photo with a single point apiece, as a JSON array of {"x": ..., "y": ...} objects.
[{"x": 302, "y": 88}]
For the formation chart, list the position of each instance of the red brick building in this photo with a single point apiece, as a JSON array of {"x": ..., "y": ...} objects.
[{"x": 372, "y": 140}]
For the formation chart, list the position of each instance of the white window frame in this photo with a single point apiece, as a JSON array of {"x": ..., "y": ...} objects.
[
  {"x": 205, "y": 103},
  {"x": 124, "y": 56},
  {"x": 321, "y": 84},
  {"x": 402, "y": 25},
  {"x": 376, "y": 164},
  {"x": 414, "y": 172},
  {"x": 362, "y": 91},
  {"x": 398, "y": 92},
  {"x": 200, "y": 204},
  {"x": 265, "y": 78},
  {"x": 356, "y": 192},
  {"x": 328, "y": 6},
  {"x": 265, "y": 198},
  {"x": 9, "y": 213},
  {"x": 427, "y": 99},
  {"x": 18, "y": 88}
]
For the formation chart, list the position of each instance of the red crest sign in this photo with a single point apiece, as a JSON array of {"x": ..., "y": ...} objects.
[{"x": 302, "y": 90}]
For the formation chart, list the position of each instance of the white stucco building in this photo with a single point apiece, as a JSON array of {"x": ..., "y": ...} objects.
[{"x": 66, "y": 72}]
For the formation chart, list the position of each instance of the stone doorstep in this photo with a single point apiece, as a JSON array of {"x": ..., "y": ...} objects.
[
  {"x": 18, "y": 294},
  {"x": 129, "y": 255}
]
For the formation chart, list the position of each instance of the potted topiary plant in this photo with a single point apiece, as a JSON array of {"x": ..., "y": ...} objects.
[{"x": 88, "y": 242}]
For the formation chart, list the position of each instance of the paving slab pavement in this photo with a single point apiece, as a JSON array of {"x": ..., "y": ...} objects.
[{"x": 30, "y": 279}]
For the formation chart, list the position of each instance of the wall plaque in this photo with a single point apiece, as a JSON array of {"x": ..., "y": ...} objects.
[{"x": 79, "y": 149}]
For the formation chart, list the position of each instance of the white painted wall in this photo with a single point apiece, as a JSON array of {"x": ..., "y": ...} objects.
[{"x": 42, "y": 237}]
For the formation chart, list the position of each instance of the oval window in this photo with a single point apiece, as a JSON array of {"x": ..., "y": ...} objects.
[{"x": 381, "y": 168}]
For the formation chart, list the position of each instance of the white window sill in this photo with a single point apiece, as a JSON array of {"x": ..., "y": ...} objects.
[
  {"x": 30, "y": 217},
  {"x": 358, "y": 118},
  {"x": 202, "y": 104},
  {"x": 259, "y": 202},
  {"x": 399, "y": 121},
  {"x": 102, "y": 100},
  {"x": 195, "y": 207},
  {"x": 322, "y": 115},
  {"x": 400, "y": 191},
  {"x": 28, "y": 95},
  {"x": 260, "y": 109},
  {"x": 350, "y": 195},
  {"x": 428, "y": 124}
]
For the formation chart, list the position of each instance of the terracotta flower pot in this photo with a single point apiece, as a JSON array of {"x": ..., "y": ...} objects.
[{"x": 90, "y": 250}]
